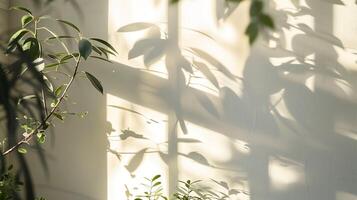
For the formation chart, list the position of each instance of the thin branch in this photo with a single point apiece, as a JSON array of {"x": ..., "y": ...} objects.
[
  {"x": 30, "y": 135},
  {"x": 56, "y": 36},
  {"x": 44, "y": 102}
]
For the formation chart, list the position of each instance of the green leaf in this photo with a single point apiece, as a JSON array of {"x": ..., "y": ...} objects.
[
  {"x": 60, "y": 37},
  {"x": 22, "y": 150},
  {"x": 156, "y": 184},
  {"x": 32, "y": 48},
  {"x": 69, "y": 24},
  {"x": 59, "y": 116},
  {"x": 48, "y": 83},
  {"x": 85, "y": 48},
  {"x": 155, "y": 177},
  {"x": 95, "y": 82},
  {"x": 59, "y": 90},
  {"x": 28, "y": 97},
  {"x": 41, "y": 137},
  {"x": 252, "y": 31},
  {"x": 256, "y": 8},
  {"x": 39, "y": 64},
  {"x": 104, "y": 43},
  {"x": 26, "y": 19},
  {"x": 106, "y": 51},
  {"x": 68, "y": 57},
  {"x": 266, "y": 20},
  {"x": 97, "y": 50},
  {"x": 18, "y": 35},
  {"x": 21, "y": 9},
  {"x": 54, "y": 64}
]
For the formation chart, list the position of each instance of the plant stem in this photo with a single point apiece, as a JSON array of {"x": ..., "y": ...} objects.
[
  {"x": 44, "y": 102},
  {"x": 30, "y": 135}
]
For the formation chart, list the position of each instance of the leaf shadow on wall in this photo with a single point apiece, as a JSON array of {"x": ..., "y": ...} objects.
[{"x": 301, "y": 108}]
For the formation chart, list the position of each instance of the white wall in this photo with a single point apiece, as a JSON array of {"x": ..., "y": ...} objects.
[{"x": 280, "y": 125}]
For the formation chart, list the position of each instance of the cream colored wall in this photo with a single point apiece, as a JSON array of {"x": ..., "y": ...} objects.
[{"x": 280, "y": 123}]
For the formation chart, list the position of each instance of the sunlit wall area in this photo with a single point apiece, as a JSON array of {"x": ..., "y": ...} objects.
[
  {"x": 188, "y": 98},
  {"x": 211, "y": 52},
  {"x": 137, "y": 143},
  {"x": 275, "y": 121}
]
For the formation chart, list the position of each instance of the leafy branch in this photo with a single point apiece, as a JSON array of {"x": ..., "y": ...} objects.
[
  {"x": 29, "y": 98},
  {"x": 44, "y": 124}
]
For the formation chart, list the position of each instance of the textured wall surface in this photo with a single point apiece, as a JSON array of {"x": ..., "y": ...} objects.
[{"x": 275, "y": 122}]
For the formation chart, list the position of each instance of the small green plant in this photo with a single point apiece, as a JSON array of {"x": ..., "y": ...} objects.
[
  {"x": 153, "y": 188},
  {"x": 9, "y": 185},
  {"x": 45, "y": 56},
  {"x": 186, "y": 190}
]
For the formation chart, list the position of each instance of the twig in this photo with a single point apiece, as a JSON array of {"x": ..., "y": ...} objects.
[{"x": 30, "y": 135}]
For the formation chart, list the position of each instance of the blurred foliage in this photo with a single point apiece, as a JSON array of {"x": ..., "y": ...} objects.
[
  {"x": 37, "y": 71},
  {"x": 186, "y": 190}
]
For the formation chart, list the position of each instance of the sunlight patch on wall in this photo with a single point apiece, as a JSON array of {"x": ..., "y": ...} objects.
[
  {"x": 215, "y": 155},
  {"x": 345, "y": 22},
  {"x": 216, "y": 50},
  {"x": 284, "y": 172},
  {"x": 136, "y": 141},
  {"x": 346, "y": 129},
  {"x": 138, "y": 15}
]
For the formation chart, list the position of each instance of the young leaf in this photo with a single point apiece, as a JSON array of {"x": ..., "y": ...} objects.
[
  {"x": 54, "y": 64},
  {"x": 106, "y": 51},
  {"x": 32, "y": 48},
  {"x": 60, "y": 37},
  {"x": 39, "y": 64},
  {"x": 95, "y": 49},
  {"x": 41, "y": 137},
  {"x": 266, "y": 20},
  {"x": 252, "y": 32},
  {"x": 69, "y": 24},
  {"x": 85, "y": 48},
  {"x": 59, "y": 116},
  {"x": 104, "y": 43},
  {"x": 68, "y": 57},
  {"x": 59, "y": 90},
  {"x": 48, "y": 83},
  {"x": 18, "y": 35},
  {"x": 95, "y": 82},
  {"x": 21, "y": 9},
  {"x": 32, "y": 96},
  {"x": 256, "y": 8},
  {"x": 26, "y": 19},
  {"x": 155, "y": 177},
  {"x": 22, "y": 150},
  {"x": 156, "y": 184}
]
